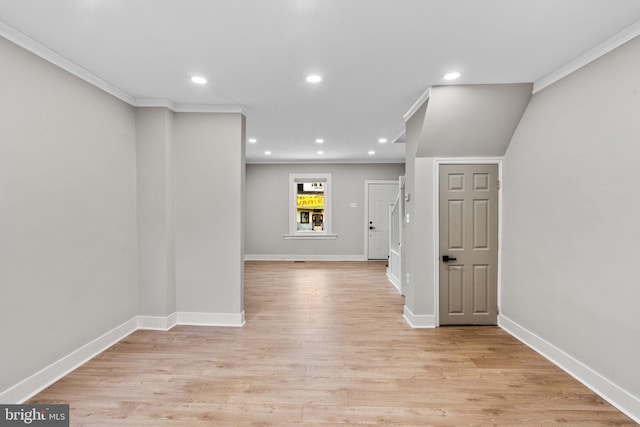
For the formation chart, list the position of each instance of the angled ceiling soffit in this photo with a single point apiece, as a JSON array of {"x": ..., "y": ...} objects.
[{"x": 472, "y": 120}]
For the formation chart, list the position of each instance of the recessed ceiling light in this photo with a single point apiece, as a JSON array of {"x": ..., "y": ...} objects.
[
  {"x": 252, "y": 140},
  {"x": 320, "y": 152},
  {"x": 319, "y": 141},
  {"x": 452, "y": 76},
  {"x": 199, "y": 80},
  {"x": 382, "y": 140},
  {"x": 314, "y": 78},
  {"x": 371, "y": 152},
  {"x": 267, "y": 153}
]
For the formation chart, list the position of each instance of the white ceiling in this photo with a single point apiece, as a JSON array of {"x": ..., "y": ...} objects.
[{"x": 376, "y": 57}]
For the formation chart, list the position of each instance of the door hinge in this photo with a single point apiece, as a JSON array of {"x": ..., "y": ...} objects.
[
  {"x": 498, "y": 184},
  {"x": 497, "y": 310}
]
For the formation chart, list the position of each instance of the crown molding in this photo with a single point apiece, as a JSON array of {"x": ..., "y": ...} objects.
[
  {"x": 155, "y": 102},
  {"x": 47, "y": 54},
  {"x": 401, "y": 138},
  {"x": 211, "y": 108},
  {"x": 252, "y": 161},
  {"x": 190, "y": 108},
  {"x": 591, "y": 55},
  {"x": 603, "y": 48},
  {"x": 423, "y": 98},
  {"x": 58, "y": 60}
]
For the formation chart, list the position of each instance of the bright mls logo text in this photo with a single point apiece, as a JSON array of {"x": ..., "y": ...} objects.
[{"x": 39, "y": 415}]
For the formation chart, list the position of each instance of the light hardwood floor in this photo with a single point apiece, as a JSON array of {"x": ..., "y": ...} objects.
[{"x": 324, "y": 344}]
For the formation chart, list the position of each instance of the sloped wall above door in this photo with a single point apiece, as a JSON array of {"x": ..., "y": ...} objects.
[{"x": 472, "y": 120}]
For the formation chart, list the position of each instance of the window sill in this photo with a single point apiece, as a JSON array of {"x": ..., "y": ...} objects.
[{"x": 301, "y": 236}]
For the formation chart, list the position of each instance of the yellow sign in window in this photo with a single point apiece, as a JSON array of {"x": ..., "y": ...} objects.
[{"x": 311, "y": 201}]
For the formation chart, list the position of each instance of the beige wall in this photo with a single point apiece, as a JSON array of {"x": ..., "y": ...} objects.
[
  {"x": 571, "y": 230},
  {"x": 90, "y": 236},
  {"x": 209, "y": 161},
  {"x": 570, "y": 225},
  {"x": 419, "y": 260},
  {"x": 68, "y": 269},
  {"x": 71, "y": 205},
  {"x": 155, "y": 211},
  {"x": 267, "y": 214}
]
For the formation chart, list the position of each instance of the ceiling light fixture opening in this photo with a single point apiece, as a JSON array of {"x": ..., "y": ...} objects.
[
  {"x": 252, "y": 140},
  {"x": 320, "y": 152},
  {"x": 319, "y": 141},
  {"x": 199, "y": 80},
  {"x": 371, "y": 152},
  {"x": 452, "y": 76},
  {"x": 314, "y": 78},
  {"x": 267, "y": 153},
  {"x": 382, "y": 140}
]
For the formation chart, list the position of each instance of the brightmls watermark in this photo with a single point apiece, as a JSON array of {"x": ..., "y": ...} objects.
[{"x": 34, "y": 415}]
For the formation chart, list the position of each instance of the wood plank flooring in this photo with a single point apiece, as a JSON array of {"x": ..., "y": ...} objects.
[{"x": 324, "y": 345}]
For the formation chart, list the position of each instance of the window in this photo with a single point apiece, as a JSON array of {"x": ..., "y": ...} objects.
[{"x": 310, "y": 206}]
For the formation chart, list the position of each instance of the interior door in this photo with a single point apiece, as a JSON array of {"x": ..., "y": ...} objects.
[
  {"x": 468, "y": 244},
  {"x": 379, "y": 195}
]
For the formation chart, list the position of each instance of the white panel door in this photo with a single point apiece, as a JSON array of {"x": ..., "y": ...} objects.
[{"x": 380, "y": 196}]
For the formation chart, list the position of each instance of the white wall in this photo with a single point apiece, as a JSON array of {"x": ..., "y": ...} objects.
[
  {"x": 472, "y": 120},
  {"x": 155, "y": 209},
  {"x": 267, "y": 213},
  {"x": 209, "y": 172},
  {"x": 67, "y": 213},
  {"x": 571, "y": 235},
  {"x": 419, "y": 258}
]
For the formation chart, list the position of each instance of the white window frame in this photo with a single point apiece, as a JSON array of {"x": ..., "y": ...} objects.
[{"x": 294, "y": 179}]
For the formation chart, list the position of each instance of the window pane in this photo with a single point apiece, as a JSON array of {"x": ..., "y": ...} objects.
[{"x": 310, "y": 206}]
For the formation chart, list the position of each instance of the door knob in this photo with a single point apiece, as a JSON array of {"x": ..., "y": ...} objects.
[
  {"x": 371, "y": 228},
  {"x": 447, "y": 258}
]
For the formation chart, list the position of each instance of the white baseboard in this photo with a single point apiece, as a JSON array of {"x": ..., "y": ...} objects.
[
  {"x": 172, "y": 320},
  {"x": 298, "y": 257},
  {"x": 158, "y": 323},
  {"x": 394, "y": 281},
  {"x": 419, "y": 320},
  {"x": 211, "y": 319},
  {"x": 618, "y": 397},
  {"x": 42, "y": 379}
]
